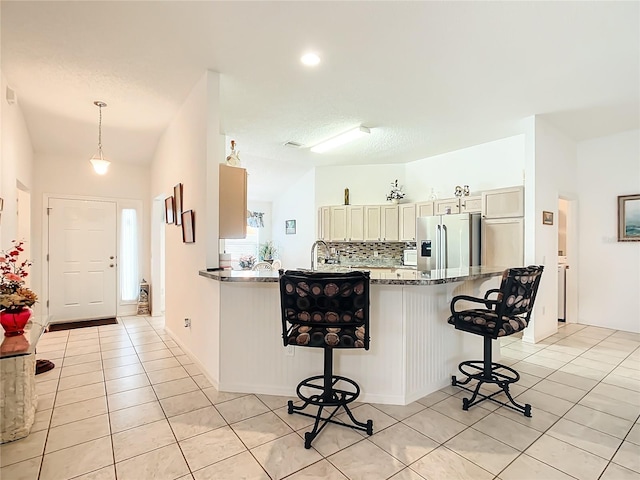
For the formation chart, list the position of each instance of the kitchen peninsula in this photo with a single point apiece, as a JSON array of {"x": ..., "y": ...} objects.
[{"x": 413, "y": 350}]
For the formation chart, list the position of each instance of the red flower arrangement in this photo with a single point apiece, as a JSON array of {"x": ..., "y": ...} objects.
[{"x": 14, "y": 296}]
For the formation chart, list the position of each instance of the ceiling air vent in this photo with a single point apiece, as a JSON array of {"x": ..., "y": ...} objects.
[{"x": 293, "y": 145}]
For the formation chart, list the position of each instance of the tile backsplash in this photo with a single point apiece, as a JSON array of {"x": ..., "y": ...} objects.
[{"x": 363, "y": 253}]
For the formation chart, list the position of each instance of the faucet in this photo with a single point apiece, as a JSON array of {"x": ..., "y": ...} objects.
[{"x": 314, "y": 255}]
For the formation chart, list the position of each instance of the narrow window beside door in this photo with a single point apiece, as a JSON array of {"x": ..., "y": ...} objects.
[{"x": 128, "y": 261}]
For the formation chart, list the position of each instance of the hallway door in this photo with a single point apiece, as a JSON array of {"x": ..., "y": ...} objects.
[{"x": 82, "y": 259}]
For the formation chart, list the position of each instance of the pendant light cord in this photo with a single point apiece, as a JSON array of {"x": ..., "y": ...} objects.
[{"x": 100, "y": 130}]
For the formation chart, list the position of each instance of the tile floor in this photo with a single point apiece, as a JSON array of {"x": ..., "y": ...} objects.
[{"x": 125, "y": 402}]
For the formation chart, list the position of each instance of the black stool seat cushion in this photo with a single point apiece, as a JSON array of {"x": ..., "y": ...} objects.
[{"x": 486, "y": 322}]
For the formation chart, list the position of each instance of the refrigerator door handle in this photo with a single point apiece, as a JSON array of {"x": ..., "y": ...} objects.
[
  {"x": 438, "y": 247},
  {"x": 445, "y": 253}
]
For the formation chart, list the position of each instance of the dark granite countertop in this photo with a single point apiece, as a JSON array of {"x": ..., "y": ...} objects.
[{"x": 402, "y": 276}]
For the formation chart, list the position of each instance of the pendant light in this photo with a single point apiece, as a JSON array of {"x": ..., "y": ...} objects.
[{"x": 100, "y": 165}]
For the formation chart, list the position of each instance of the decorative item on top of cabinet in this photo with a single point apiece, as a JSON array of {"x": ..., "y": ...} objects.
[
  {"x": 503, "y": 202},
  {"x": 465, "y": 191},
  {"x": 233, "y": 159},
  {"x": 346, "y": 196},
  {"x": 233, "y": 202},
  {"x": 396, "y": 194},
  {"x": 458, "y": 191}
]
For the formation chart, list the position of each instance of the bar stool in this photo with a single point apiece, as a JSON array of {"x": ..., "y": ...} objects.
[
  {"x": 506, "y": 315},
  {"x": 328, "y": 311}
]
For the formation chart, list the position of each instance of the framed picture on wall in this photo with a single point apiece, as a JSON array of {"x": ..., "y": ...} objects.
[
  {"x": 188, "y": 227},
  {"x": 177, "y": 194},
  {"x": 169, "y": 210},
  {"x": 629, "y": 218},
  {"x": 547, "y": 218},
  {"x": 290, "y": 227}
]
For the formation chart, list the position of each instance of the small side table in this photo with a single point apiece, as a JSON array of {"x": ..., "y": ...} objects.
[{"x": 18, "y": 399}]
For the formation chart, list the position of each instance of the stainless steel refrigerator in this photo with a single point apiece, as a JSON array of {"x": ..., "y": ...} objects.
[{"x": 448, "y": 241}]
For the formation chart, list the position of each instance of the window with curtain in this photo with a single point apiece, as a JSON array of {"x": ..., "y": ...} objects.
[
  {"x": 243, "y": 246},
  {"x": 128, "y": 261}
]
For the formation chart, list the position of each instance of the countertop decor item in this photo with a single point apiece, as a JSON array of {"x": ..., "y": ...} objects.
[
  {"x": 267, "y": 251},
  {"x": 396, "y": 194},
  {"x": 15, "y": 297},
  {"x": 247, "y": 262}
]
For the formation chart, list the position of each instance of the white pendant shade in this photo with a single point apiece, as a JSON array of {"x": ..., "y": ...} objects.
[{"x": 100, "y": 165}]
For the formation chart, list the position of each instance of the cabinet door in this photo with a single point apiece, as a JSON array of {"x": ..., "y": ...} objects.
[
  {"x": 471, "y": 204},
  {"x": 407, "y": 222},
  {"x": 389, "y": 223},
  {"x": 447, "y": 206},
  {"x": 233, "y": 202},
  {"x": 338, "y": 224},
  {"x": 372, "y": 230},
  {"x": 324, "y": 223},
  {"x": 424, "y": 209},
  {"x": 355, "y": 223},
  {"x": 503, "y": 202},
  {"x": 503, "y": 242}
]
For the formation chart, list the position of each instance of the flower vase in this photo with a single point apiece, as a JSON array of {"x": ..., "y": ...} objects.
[
  {"x": 394, "y": 201},
  {"x": 14, "y": 322}
]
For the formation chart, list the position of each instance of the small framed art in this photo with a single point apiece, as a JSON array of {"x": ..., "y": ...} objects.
[
  {"x": 629, "y": 218},
  {"x": 290, "y": 227},
  {"x": 177, "y": 195},
  {"x": 547, "y": 218},
  {"x": 188, "y": 227},
  {"x": 169, "y": 210}
]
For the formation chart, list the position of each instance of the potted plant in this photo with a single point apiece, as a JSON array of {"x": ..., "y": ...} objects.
[
  {"x": 267, "y": 252},
  {"x": 15, "y": 298},
  {"x": 396, "y": 194}
]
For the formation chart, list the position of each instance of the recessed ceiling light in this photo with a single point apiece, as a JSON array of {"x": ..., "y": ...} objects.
[
  {"x": 310, "y": 59},
  {"x": 341, "y": 139}
]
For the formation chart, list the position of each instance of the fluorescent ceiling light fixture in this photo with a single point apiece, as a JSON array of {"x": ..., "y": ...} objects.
[
  {"x": 341, "y": 139},
  {"x": 310, "y": 59}
]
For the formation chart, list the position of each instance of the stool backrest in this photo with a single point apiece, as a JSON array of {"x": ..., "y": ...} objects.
[
  {"x": 518, "y": 291},
  {"x": 333, "y": 308}
]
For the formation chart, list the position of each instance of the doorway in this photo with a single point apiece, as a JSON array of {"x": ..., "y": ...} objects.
[
  {"x": 567, "y": 260},
  {"x": 158, "y": 256},
  {"x": 82, "y": 272}
]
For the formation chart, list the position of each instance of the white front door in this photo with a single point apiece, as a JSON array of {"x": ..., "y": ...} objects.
[{"x": 82, "y": 259}]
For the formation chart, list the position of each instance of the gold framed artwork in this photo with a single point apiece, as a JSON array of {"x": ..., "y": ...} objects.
[
  {"x": 547, "y": 218},
  {"x": 629, "y": 218}
]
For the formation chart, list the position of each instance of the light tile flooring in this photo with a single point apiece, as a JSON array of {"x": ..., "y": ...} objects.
[{"x": 125, "y": 402}]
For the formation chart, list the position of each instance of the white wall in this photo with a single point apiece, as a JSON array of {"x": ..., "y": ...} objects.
[
  {"x": 490, "y": 165},
  {"x": 188, "y": 153},
  {"x": 16, "y": 165},
  {"x": 296, "y": 203},
  {"x": 610, "y": 270},
  {"x": 367, "y": 184}
]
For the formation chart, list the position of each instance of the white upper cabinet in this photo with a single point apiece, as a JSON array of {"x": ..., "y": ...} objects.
[
  {"x": 407, "y": 222},
  {"x": 355, "y": 223},
  {"x": 503, "y": 203},
  {"x": 447, "y": 206},
  {"x": 324, "y": 223},
  {"x": 424, "y": 209},
  {"x": 389, "y": 223},
  {"x": 471, "y": 204},
  {"x": 339, "y": 224},
  {"x": 503, "y": 242},
  {"x": 372, "y": 230}
]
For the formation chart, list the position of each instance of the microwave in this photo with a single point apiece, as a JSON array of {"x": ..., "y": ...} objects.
[{"x": 410, "y": 258}]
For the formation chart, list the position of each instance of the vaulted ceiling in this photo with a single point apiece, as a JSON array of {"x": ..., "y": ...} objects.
[{"x": 426, "y": 77}]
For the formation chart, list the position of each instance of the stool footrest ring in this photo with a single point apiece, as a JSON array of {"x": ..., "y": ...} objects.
[
  {"x": 332, "y": 400},
  {"x": 498, "y": 374}
]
